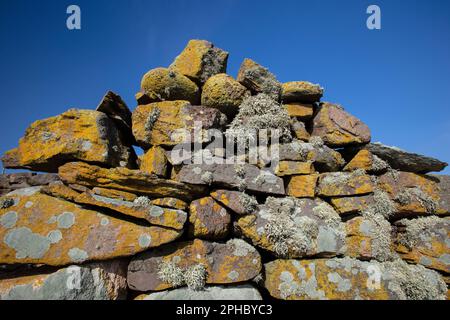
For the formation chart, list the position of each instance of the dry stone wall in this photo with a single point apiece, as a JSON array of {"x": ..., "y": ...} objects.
[{"x": 309, "y": 209}]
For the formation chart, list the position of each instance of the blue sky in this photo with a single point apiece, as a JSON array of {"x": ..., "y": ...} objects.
[{"x": 397, "y": 79}]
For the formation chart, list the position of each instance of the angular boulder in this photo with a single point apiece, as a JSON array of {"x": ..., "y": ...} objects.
[
  {"x": 367, "y": 161},
  {"x": 338, "y": 128},
  {"x": 231, "y": 262},
  {"x": 290, "y": 168},
  {"x": 237, "y": 201},
  {"x": 259, "y": 79},
  {"x": 13, "y": 181},
  {"x": 301, "y": 91},
  {"x": 154, "y": 161},
  {"x": 39, "y": 229},
  {"x": 75, "y": 135},
  {"x": 443, "y": 182},
  {"x": 351, "y": 205},
  {"x": 302, "y": 111},
  {"x": 169, "y": 202},
  {"x": 200, "y": 60},
  {"x": 208, "y": 219},
  {"x": 339, "y": 184},
  {"x": 299, "y": 130},
  {"x": 302, "y": 186}
]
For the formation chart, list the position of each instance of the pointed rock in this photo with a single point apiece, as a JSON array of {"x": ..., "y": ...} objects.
[{"x": 259, "y": 79}]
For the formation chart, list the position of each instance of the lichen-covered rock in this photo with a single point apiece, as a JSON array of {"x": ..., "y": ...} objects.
[
  {"x": 115, "y": 194},
  {"x": 169, "y": 202},
  {"x": 301, "y": 91},
  {"x": 405, "y": 161},
  {"x": 93, "y": 281},
  {"x": 350, "y": 205},
  {"x": 443, "y": 182},
  {"x": 294, "y": 228},
  {"x": 224, "y": 93},
  {"x": 231, "y": 262},
  {"x": 83, "y": 135},
  {"x": 170, "y": 123},
  {"x": 200, "y": 60},
  {"x": 154, "y": 161},
  {"x": 426, "y": 241},
  {"x": 367, "y": 161},
  {"x": 338, "y": 128},
  {"x": 140, "y": 208},
  {"x": 209, "y": 293},
  {"x": 351, "y": 279},
  {"x": 123, "y": 179},
  {"x": 39, "y": 229},
  {"x": 301, "y": 111},
  {"x": 413, "y": 194},
  {"x": 302, "y": 186},
  {"x": 299, "y": 130},
  {"x": 208, "y": 219},
  {"x": 61, "y": 191},
  {"x": 237, "y": 201},
  {"x": 13, "y": 181},
  {"x": 234, "y": 176},
  {"x": 337, "y": 184},
  {"x": 289, "y": 168},
  {"x": 115, "y": 108},
  {"x": 259, "y": 79},
  {"x": 165, "y": 84}
]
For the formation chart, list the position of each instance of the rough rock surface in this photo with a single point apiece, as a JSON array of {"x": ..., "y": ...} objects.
[
  {"x": 349, "y": 205},
  {"x": 83, "y": 135},
  {"x": 302, "y": 111},
  {"x": 13, "y": 181},
  {"x": 405, "y": 161},
  {"x": 301, "y": 91},
  {"x": 231, "y": 262},
  {"x": 443, "y": 182},
  {"x": 338, "y": 128},
  {"x": 93, "y": 281},
  {"x": 41, "y": 229},
  {"x": 208, "y": 219},
  {"x": 154, "y": 161},
  {"x": 237, "y": 201},
  {"x": 344, "y": 184},
  {"x": 259, "y": 79},
  {"x": 302, "y": 186}
]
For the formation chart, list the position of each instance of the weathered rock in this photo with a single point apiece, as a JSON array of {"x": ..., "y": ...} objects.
[
  {"x": 302, "y": 186},
  {"x": 127, "y": 180},
  {"x": 143, "y": 98},
  {"x": 13, "y": 181},
  {"x": 200, "y": 60},
  {"x": 350, "y": 205},
  {"x": 84, "y": 135},
  {"x": 302, "y": 111},
  {"x": 208, "y": 219},
  {"x": 338, "y": 128},
  {"x": 405, "y": 161},
  {"x": 289, "y": 168},
  {"x": 165, "y": 84},
  {"x": 93, "y": 281},
  {"x": 115, "y": 108},
  {"x": 241, "y": 176},
  {"x": 443, "y": 182},
  {"x": 351, "y": 279},
  {"x": 365, "y": 160},
  {"x": 236, "y": 201},
  {"x": 209, "y": 293},
  {"x": 169, "y": 202},
  {"x": 170, "y": 123},
  {"x": 39, "y": 229},
  {"x": 338, "y": 184},
  {"x": 259, "y": 79},
  {"x": 224, "y": 93},
  {"x": 301, "y": 91},
  {"x": 154, "y": 161},
  {"x": 115, "y": 194},
  {"x": 413, "y": 194},
  {"x": 299, "y": 130},
  {"x": 61, "y": 191},
  {"x": 138, "y": 209},
  {"x": 294, "y": 228},
  {"x": 425, "y": 241},
  {"x": 231, "y": 262}
]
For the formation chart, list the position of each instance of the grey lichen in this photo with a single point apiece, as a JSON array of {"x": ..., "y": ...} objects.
[
  {"x": 316, "y": 141},
  {"x": 419, "y": 230},
  {"x": 409, "y": 195},
  {"x": 151, "y": 119},
  {"x": 194, "y": 276},
  {"x": 170, "y": 273},
  {"x": 143, "y": 202},
  {"x": 207, "y": 177},
  {"x": 382, "y": 204},
  {"x": 378, "y": 164},
  {"x": 5, "y": 203},
  {"x": 248, "y": 202},
  {"x": 380, "y": 235}
]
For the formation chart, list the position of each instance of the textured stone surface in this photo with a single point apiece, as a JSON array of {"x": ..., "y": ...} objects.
[
  {"x": 94, "y": 281},
  {"x": 259, "y": 79},
  {"x": 115, "y": 194},
  {"x": 350, "y": 279},
  {"x": 200, "y": 60},
  {"x": 335, "y": 184},
  {"x": 115, "y": 108},
  {"x": 365, "y": 160},
  {"x": 349, "y": 205},
  {"x": 336, "y": 127},
  {"x": 289, "y": 168},
  {"x": 301, "y": 91},
  {"x": 224, "y": 93},
  {"x": 208, "y": 219},
  {"x": 169, "y": 202},
  {"x": 170, "y": 123},
  {"x": 302, "y": 111},
  {"x": 443, "y": 182},
  {"x": 84, "y": 135},
  {"x": 237, "y": 292},
  {"x": 302, "y": 186},
  {"x": 40, "y": 229},
  {"x": 425, "y": 241},
  {"x": 13, "y": 181},
  {"x": 299, "y": 130},
  {"x": 295, "y": 228},
  {"x": 127, "y": 180},
  {"x": 231, "y": 262},
  {"x": 163, "y": 84},
  {"x": 154, "y": 161},
  {"x": 226, "y": 175},
  {"x": 236, "y": 201},
  {"x": 406, "y": 161}
]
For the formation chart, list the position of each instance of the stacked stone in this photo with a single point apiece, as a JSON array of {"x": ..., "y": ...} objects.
[{"x": 334, "y": 217}]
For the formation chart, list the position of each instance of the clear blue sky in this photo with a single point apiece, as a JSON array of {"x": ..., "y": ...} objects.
[{"x": 397, "y": 79}]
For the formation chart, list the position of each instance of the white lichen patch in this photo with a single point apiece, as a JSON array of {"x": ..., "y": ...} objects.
[
  {"x": 194, "y": 276},
  {"x": 9, "y": 219},
  {"x": 409, "y": 195},
  {"x": 151, "y": 119},
  {"x": 207, "y": 177},
  {"x": 382, "y": 204},
  {"x": 142, "y": 202},
  {"x": 379, "y": 231},
  {"x": 144, "y": 240},
  {"x": 420, "y": 230},
  {"x": 248, "y": 203},
  {"x": 26, "y": 243},
  {"x": 78, "y": 255},
  {"x": 65, "y": 220},
  {"x": 240, "y": 247}
]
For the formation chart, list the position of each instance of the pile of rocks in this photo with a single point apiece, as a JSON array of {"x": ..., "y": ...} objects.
[{"x": 324, "y": 215}]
